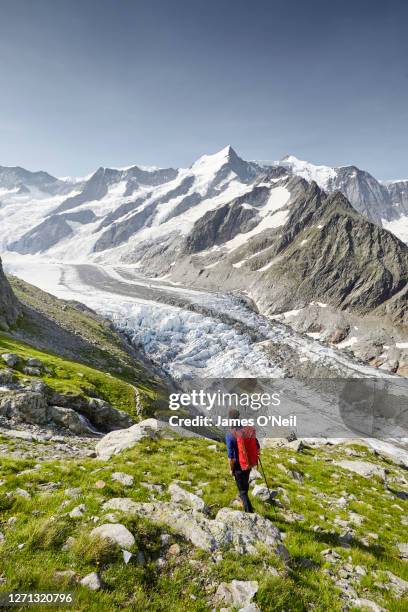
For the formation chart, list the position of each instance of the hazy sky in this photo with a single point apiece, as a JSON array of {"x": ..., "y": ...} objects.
[{"x": 86, "y": 83}]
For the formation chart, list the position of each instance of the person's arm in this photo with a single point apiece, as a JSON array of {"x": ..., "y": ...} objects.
[{"x": 229, "y": 440}]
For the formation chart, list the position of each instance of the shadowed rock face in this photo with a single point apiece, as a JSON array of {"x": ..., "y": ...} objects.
[
  {"x": 9, "y": 306},
  {"x": 50, "y": 232}
]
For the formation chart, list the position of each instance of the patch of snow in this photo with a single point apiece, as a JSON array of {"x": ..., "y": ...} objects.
[
  {"x": 402, "y": 345},
  {"x": 272, "y": 215},
  {"x": 399, "y": 227},
  {"x": 348, "y": 342}
]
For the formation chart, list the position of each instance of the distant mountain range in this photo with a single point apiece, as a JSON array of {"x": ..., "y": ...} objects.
[{"x": 288, "y": 232}]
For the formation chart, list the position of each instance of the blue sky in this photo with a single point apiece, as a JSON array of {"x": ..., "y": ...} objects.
[{"x": 114, "y": 82}]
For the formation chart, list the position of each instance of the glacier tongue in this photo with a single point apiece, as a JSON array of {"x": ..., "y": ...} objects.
[{"x": 186, "y": 332}]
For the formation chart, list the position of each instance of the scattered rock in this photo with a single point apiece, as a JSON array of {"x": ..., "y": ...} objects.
[
  {"x": 236, "y": 593},
  {"x": 124, "y": 479},
  {"x": 185, "y": 498},
  {"x": 403, "y": 551},
  {"x": 92, "y": 582},
  {"x": 261, "y": 491},
  {"x": 367, "y": 604},
  {"x": 10, "y": 359},
  {"x": 32, "y": 371},
  {"x": 78, "y": 511},
  {"x": 66, "y": 576},
  {"x": 116, "y": 533},
  {"x": 33, "y": 362},
  {"x": 73, "y": 492},
  {"x": 363, "y": 468},
  {"x": 22, "y": 493},
  {"x": 174, "y": 550},
  {"x": 100, "y": 484}
]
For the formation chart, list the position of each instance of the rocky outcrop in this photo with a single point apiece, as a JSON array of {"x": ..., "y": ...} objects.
[
  {"x": 39, "y": 405},
  {"x": 9, "y": 306},
  {"x": 230, "y": 528}
]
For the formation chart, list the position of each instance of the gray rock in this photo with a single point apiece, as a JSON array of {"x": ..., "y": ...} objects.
[
  {"x": 116, "y": 533},
  {"x": 398, "y": 585},
  {"x": 124, "y": 479},
  {"x": 10, "y": 359},
  {"x": 33, "y": 362},
  {"x": 185, "y": 498},
  {"x": 231, "y": 528},
  {"x": 363, "y": 468},
  {"x": 403, "y": 551},
  {"x": 78, "y": 511},
  {"x": 68, "y": 418},
  {"x": 367, "y": 604},
  {"x": 73, "y": 492},
  {"x": 27, "y": 407},
  {"x": 105, "y": 416},
  {"x": 237, "y": 593},
  {"x": 261, "y": 491},
  {"x": 117, "y": 441},
  {"x": 6, "y": 376},
  {"x": 66, "y": 576},
  {"x": 22, "y": 493},
  {"x": 92, "y": 582},
  {"x": 32, "y": 371}
]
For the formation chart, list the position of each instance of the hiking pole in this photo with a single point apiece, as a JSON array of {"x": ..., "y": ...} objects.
[{"x": 271, "y": 495}]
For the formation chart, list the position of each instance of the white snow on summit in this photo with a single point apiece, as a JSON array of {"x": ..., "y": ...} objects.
[{"x": 322, "y": 175}]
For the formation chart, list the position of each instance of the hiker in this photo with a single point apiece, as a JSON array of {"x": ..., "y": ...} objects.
[{"x": 243, "y": 453}]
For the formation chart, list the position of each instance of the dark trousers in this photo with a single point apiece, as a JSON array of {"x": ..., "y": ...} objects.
[{"x": 242, "y": 480}]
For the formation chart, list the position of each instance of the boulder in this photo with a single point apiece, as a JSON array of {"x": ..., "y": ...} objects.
[
  {"x": 124, "y": 479},
  {"x": 237, "y": 593},
  {"x": 106, "y": 417},
  {"x": 115, "y": 533},
  {"x": 29, "y": 407},
  {"x": 185, "y": 498},
  {"x": 363, "y": 468},
  {"x": 10, "y": 359},
  {"x": 117, "y": 441},
  {"x": 68, "y": 418}
]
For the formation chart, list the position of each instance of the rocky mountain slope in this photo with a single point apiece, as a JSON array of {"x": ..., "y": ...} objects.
[
  {"x": 138, "y": 531},
  {"x": 9, "y": 307}
]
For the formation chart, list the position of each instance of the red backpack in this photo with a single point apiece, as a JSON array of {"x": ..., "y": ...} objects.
[{"x": 248, "y": 451}]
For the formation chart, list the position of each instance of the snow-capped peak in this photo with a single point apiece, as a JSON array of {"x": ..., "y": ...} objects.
[
  {"x": 212, "y": 163},
  {"x": 322, "y": 175}
]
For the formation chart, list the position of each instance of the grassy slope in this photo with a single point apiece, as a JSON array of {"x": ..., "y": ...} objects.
[
  {"x": 188, "y": 581},
  {"x": 71, "y": 377},
  {"x": 84, "y": 353}
]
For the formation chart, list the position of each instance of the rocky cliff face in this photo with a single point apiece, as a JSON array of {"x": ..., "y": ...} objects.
[{"x": 9, "y": 306}]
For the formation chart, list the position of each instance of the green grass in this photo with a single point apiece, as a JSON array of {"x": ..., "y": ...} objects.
[
  {"x": 72, "y": 377},
  {"x": 188, "y": 581}
]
